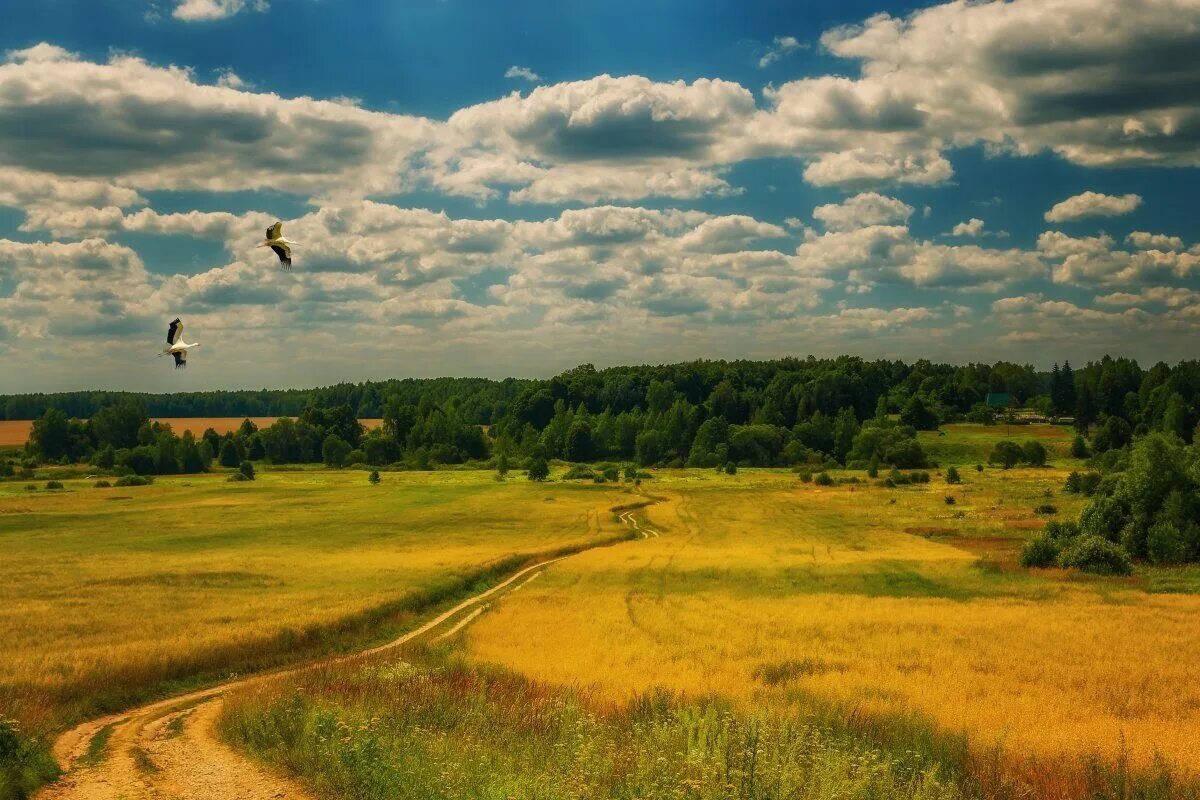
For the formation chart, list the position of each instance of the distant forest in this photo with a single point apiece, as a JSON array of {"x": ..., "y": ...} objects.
[{"x": 705, "y": 413}]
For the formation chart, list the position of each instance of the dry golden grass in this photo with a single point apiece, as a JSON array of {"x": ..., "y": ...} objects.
[
  {"x": 108, "y": 593},
  {"x": 762, "y": 588},
  {"x": 14, "y": 433}
]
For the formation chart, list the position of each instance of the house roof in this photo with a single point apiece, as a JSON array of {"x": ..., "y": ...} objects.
[{"x": 999, "y": 398}]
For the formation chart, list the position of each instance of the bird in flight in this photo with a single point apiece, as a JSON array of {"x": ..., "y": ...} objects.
[
  {"x": 280, "y": 245},
  {"x": 176, "y": 346}
]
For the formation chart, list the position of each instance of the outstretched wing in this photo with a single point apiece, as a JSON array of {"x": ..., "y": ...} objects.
[
  {"x": 285, "y": 254},
  {"x": 274, "y": 231},
  {"x": 175, "y": 331},
  {"x": 180, "y": 358}
]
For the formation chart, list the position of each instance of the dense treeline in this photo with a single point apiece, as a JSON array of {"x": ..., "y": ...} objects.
[{"x": 705, "y": 413}]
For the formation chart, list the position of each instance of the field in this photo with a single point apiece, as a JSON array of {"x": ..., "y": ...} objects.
[
  {"x": 14, "y": 433},
  {"x": 763, "y": 633},
  {"x": 108, "y": 595}
]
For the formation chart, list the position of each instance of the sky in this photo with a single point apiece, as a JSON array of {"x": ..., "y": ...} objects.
[{"x": 516, "y": 188}]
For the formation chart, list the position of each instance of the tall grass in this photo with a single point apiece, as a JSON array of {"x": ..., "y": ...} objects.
[
  {"x": 440, "y": 728},
  {"x": 25, "y": 763}
]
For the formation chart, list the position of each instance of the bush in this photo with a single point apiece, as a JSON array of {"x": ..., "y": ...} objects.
[
  {"x": 979, "y": 467},
  {"x": 1165, "y": 543},
  {"x": 1041, "y": 551},
  {"x": 579, "y": 472},
  {"x": 1079, "y": 448},
  {"x": 918, "y": 477},
  {"x": 730, "y": 468},
  {"x": 822, "y": 479},
  {"x": 1033, "y": 453},
  {"x": 873, "y": 467},
  {"x": 25, "y": 764},
  {"x": 246, "y": 469},
  {"x": 539, "y": 469},
  {"x": 1094, "y": 554},
  {"x": 134, "y": 480},
  {"x": 237, "y": 477},
  {"x": 1006, "y": 454},
  {"x": 950, "y": 500},
  {"x": 952, "y": 476},
  {"x": 374, "y": 477},
  {"x": 612, "y": 474},
  {"x": 54, "y": 484},
  {"x": 1060, "y": 530},
  {"x": 102, "y": 484},
  {"x": 1046, "y": 509},
  {"x": 31, "y": 487},
  {"x": 806, "y": 477}
]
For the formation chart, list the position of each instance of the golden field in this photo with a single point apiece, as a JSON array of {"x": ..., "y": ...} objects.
[
  {"x": 883, "y": 601},
  {"x": 14, "y": 433},
  {"x": 107, "y": 595}
]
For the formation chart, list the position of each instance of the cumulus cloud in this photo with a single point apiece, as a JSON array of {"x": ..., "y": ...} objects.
[
  {"x": 522, "y": 72},
  {"x": 972, "y": 228},
  {"x": 207, "y": 10},
  {"x": 1154, "y": 241},
  {"x": 862, "y": 210},
  {"x": 780, "y": 47},
  {"x": 1093, "y": 204}
]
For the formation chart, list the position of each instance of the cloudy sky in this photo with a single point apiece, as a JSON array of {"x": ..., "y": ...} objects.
[{"x": 516, "y": 188}]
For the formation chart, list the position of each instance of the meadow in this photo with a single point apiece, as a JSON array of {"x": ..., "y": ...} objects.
[{"x": 111, "y": 595}]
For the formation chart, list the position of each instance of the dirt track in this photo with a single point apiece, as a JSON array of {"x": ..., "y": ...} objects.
[{"x": 169, "y": 749}]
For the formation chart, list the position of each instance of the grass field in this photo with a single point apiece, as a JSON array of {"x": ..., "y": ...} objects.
[
  {"x": 886, "y": 601},
  {"x": 14, "y": 433},
  {"x": 107, "y": 595}
]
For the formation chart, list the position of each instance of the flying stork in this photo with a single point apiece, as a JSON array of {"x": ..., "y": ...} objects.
[
  {"x": 280, "y": 245},
  {"x": 176, "y": 346}
]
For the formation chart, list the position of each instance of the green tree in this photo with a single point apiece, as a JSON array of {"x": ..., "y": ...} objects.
[
  {"x": 334, "y": 451},
  {"x": 845, "y": 428},
  {"x": 1033, "y": 453},
  {"x": 373, "y": 478},
  {"x": 231, "y": 454},
  {"x": 918, "y": 415},
  {"x": 247, "y": 470},
  {"x": 539, "y": 469},
  {"x": 1079, "y": 448},
  {"x": 50, "y": 436},
  {"x": 502, "y": 465},
  {"x": 1007, "y": 454}
]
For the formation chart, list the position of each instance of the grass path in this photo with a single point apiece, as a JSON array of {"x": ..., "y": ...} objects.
[{"x": 170, "y": 748}]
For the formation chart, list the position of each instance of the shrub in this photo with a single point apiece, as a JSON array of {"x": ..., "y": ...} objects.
[
  {"x": 1046, "y": 509},
  {"x": 979, "y": 467},
  {"x": 1165, "y": 543},
  {"x": 631, "y": 472},
  {"x": 918, "y": 477},
  {"x": 374, "y": 477},
  {"x": 579, "y": 472},
  {"x": 1033, "y": 453},
  {"x": 822, "y": 479},
  {"x": 1041, "y": 551},
  {"x": 612, "y": 474},
  {"x": 102, "y": 484},
  {"x": 54, "y": 484},
  {"x": 247, "y": 469},
  {"x": 730, "y": 468},
  {"x": 873, "y": 467},
  {"x": 952, "y": 476},
  {"x": 31, "y": 487},
  {"x": 1061, "y": 530},
  {"x": 539, "y": 469},
  {"x": 1079, "y": 448},
  {"x": 1006, "y": 454},
  {"x": 134, "y": 480},
  {"x": 1103, "y": 517},
  {"x": 237, "y": 477},
  {"x": 950, "y": 500},
  {"x": 1090, "y": 553},
  {"x": 806, "y": 477}
]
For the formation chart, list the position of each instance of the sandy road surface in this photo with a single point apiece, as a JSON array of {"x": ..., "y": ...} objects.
[{"x": 170, "y": 750}]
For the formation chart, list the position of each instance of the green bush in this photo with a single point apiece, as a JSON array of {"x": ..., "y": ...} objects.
[
  {"x": 579, "y": 472},
  {"x": 1041, "y": 551},
  {"x": 1033, "y": 453},
  {"x": 247, "y": 469},
  {"x": 24, "y": 764},
  {"x": 102, "y": 484},
  {"x": 1079, "y": 448},
  {"x": 539, "y": 469},
  {"x": 950, "y": 500},
  {"x": 1046, "y": 509},
  {"x": 730, "y": 468},
  {"x": 237, "y": 477},
  {"x": 374, "y": 477},
  {"x": 134, "y": 480},
  {"x": 806, "y": 477},
  {"x": 1165, "y": 543},
  {"x": 54, "y": 484},
  {"x": 1006, "y": 454},
  {"x": 979, "y": 467},
  {"x": 822, "y": 479},
  {"x": 1095, "y": 554},
  {"x": 952, "y": 476}
]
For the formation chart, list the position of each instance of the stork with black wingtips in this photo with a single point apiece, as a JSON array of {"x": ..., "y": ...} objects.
[
  {"x": 280, "y": 246},
  {"x": 176, "y": 345}
]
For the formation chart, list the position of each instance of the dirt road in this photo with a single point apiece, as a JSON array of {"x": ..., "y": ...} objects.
[{"x": 170, "y": 750}]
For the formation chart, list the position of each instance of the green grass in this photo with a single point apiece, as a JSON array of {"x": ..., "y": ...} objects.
[
  {"x": 475, "y": 732},
  {"x": 963, "y": 444}
]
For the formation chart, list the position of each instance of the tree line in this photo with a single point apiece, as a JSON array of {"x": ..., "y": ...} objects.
[{"x": 843, "y": 411}]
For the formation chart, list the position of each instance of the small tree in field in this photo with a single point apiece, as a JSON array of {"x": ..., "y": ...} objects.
[
  {"x": 731, "y": 468},
  {"x": 502, "y": 465},
  {"x": 374, "y": 477},
  {"x": 539, "y": 470},
  {"x": 247, "y": 470},
  {"x": 952, "y": 476},
  {"x": 1079, "y": 448},
  {"x": 1006, "y": 454}
]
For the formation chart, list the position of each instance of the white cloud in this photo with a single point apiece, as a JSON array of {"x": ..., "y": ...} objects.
[
  {"x": 972, "y": 228},
  {"x": 780, "y": 47},
  {"x": 230, "y": 79},
  {"x": 207, "y": 10},
  {"x": 862, "y": 210},
  {"x": 1154, "y": 241},
  {"x": 1093, "y": 204},
  {"x": 522, "y": 72}
]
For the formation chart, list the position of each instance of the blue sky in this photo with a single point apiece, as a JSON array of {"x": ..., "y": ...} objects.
[{"x": 485, "y": 188}]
